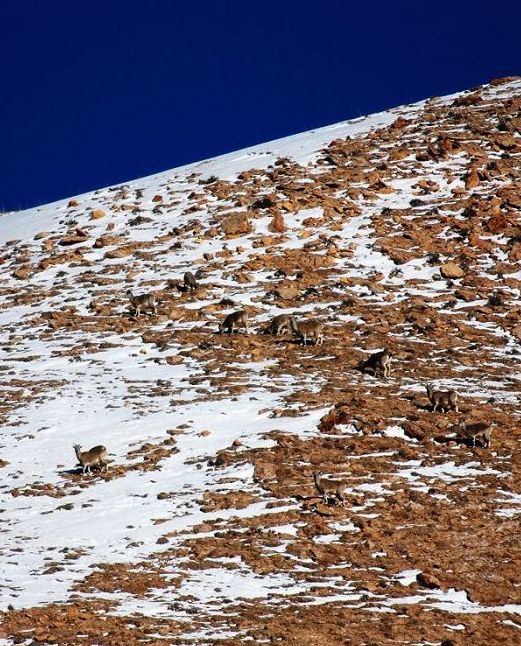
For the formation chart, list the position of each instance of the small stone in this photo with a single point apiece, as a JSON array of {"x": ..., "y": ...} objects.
[
  {"x": 472, "y": 179},
  {"x": 242, "y": 278},
  {"x": 277, "y": 224},
  {"x": 174, "y": 360},
  {"x": 399, "y": 123},
  {"x": 398, "y": 153}
]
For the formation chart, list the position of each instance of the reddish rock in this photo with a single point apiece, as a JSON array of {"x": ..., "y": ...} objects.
[
  {"x": 451, "y": 270},
  {"x": 338, "y": 415},
  {"x": 74, "y": 238},
  {"x": 399, "y": 153},
  {"x": 266, "y": 241},
  {"x": 381, "y": 187},
  {"x": 97, "y": 214},
  {"x": 22, "y": 273},
  {"x": 290, "y": 206},
  {"x": 472, "y": 179},
  {"x": 288, "y": 292},
  {"x": 277, "y": 224},
  {"x": 511, "y": 197},
  {"x": 427, "y": 186},
  {"x": 497, "y": 224},
  {"x": 445, "y": 144},
  {"x": 243, "y": 278},
  {"x": 400, "y": 123},
  {"x": 120, "y": 252},
  {"x": 465, "y": 294},
  {"x": 107, "y": 240},
  {"x": 517, "y": 332},
  {"x": 467, "y": 99},
  {"x": 502, "y": 80},
  {"x": 514, "y": 255},
  {"x": 428, "y": 580},
  {"x": 481, "y": 243},
  {"x": 174, "y": 359},
  {"x": 237, "y": 224}
]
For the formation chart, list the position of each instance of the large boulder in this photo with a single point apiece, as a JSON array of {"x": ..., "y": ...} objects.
[
  {"x": 451, "y": 270},
  {"x": 236, "y": 224}
]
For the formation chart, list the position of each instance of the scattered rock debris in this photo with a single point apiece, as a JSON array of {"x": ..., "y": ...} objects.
[{"x": 402, "y": 234}]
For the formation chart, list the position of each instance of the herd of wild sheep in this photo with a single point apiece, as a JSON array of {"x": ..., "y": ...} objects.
[{"x": 377, "y": 364}]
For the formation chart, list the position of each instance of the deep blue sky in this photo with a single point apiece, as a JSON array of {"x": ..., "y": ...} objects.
[{"x": 98, "y": 92}]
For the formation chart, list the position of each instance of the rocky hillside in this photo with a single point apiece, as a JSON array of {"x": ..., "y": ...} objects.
[{"x": 401, "y": 231}]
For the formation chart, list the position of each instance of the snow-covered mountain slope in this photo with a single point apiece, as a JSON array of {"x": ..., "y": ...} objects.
[{"x": 398, "y": 230}]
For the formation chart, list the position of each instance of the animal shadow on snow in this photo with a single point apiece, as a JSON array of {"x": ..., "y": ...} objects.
[{"x": 78, "y": 471}]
